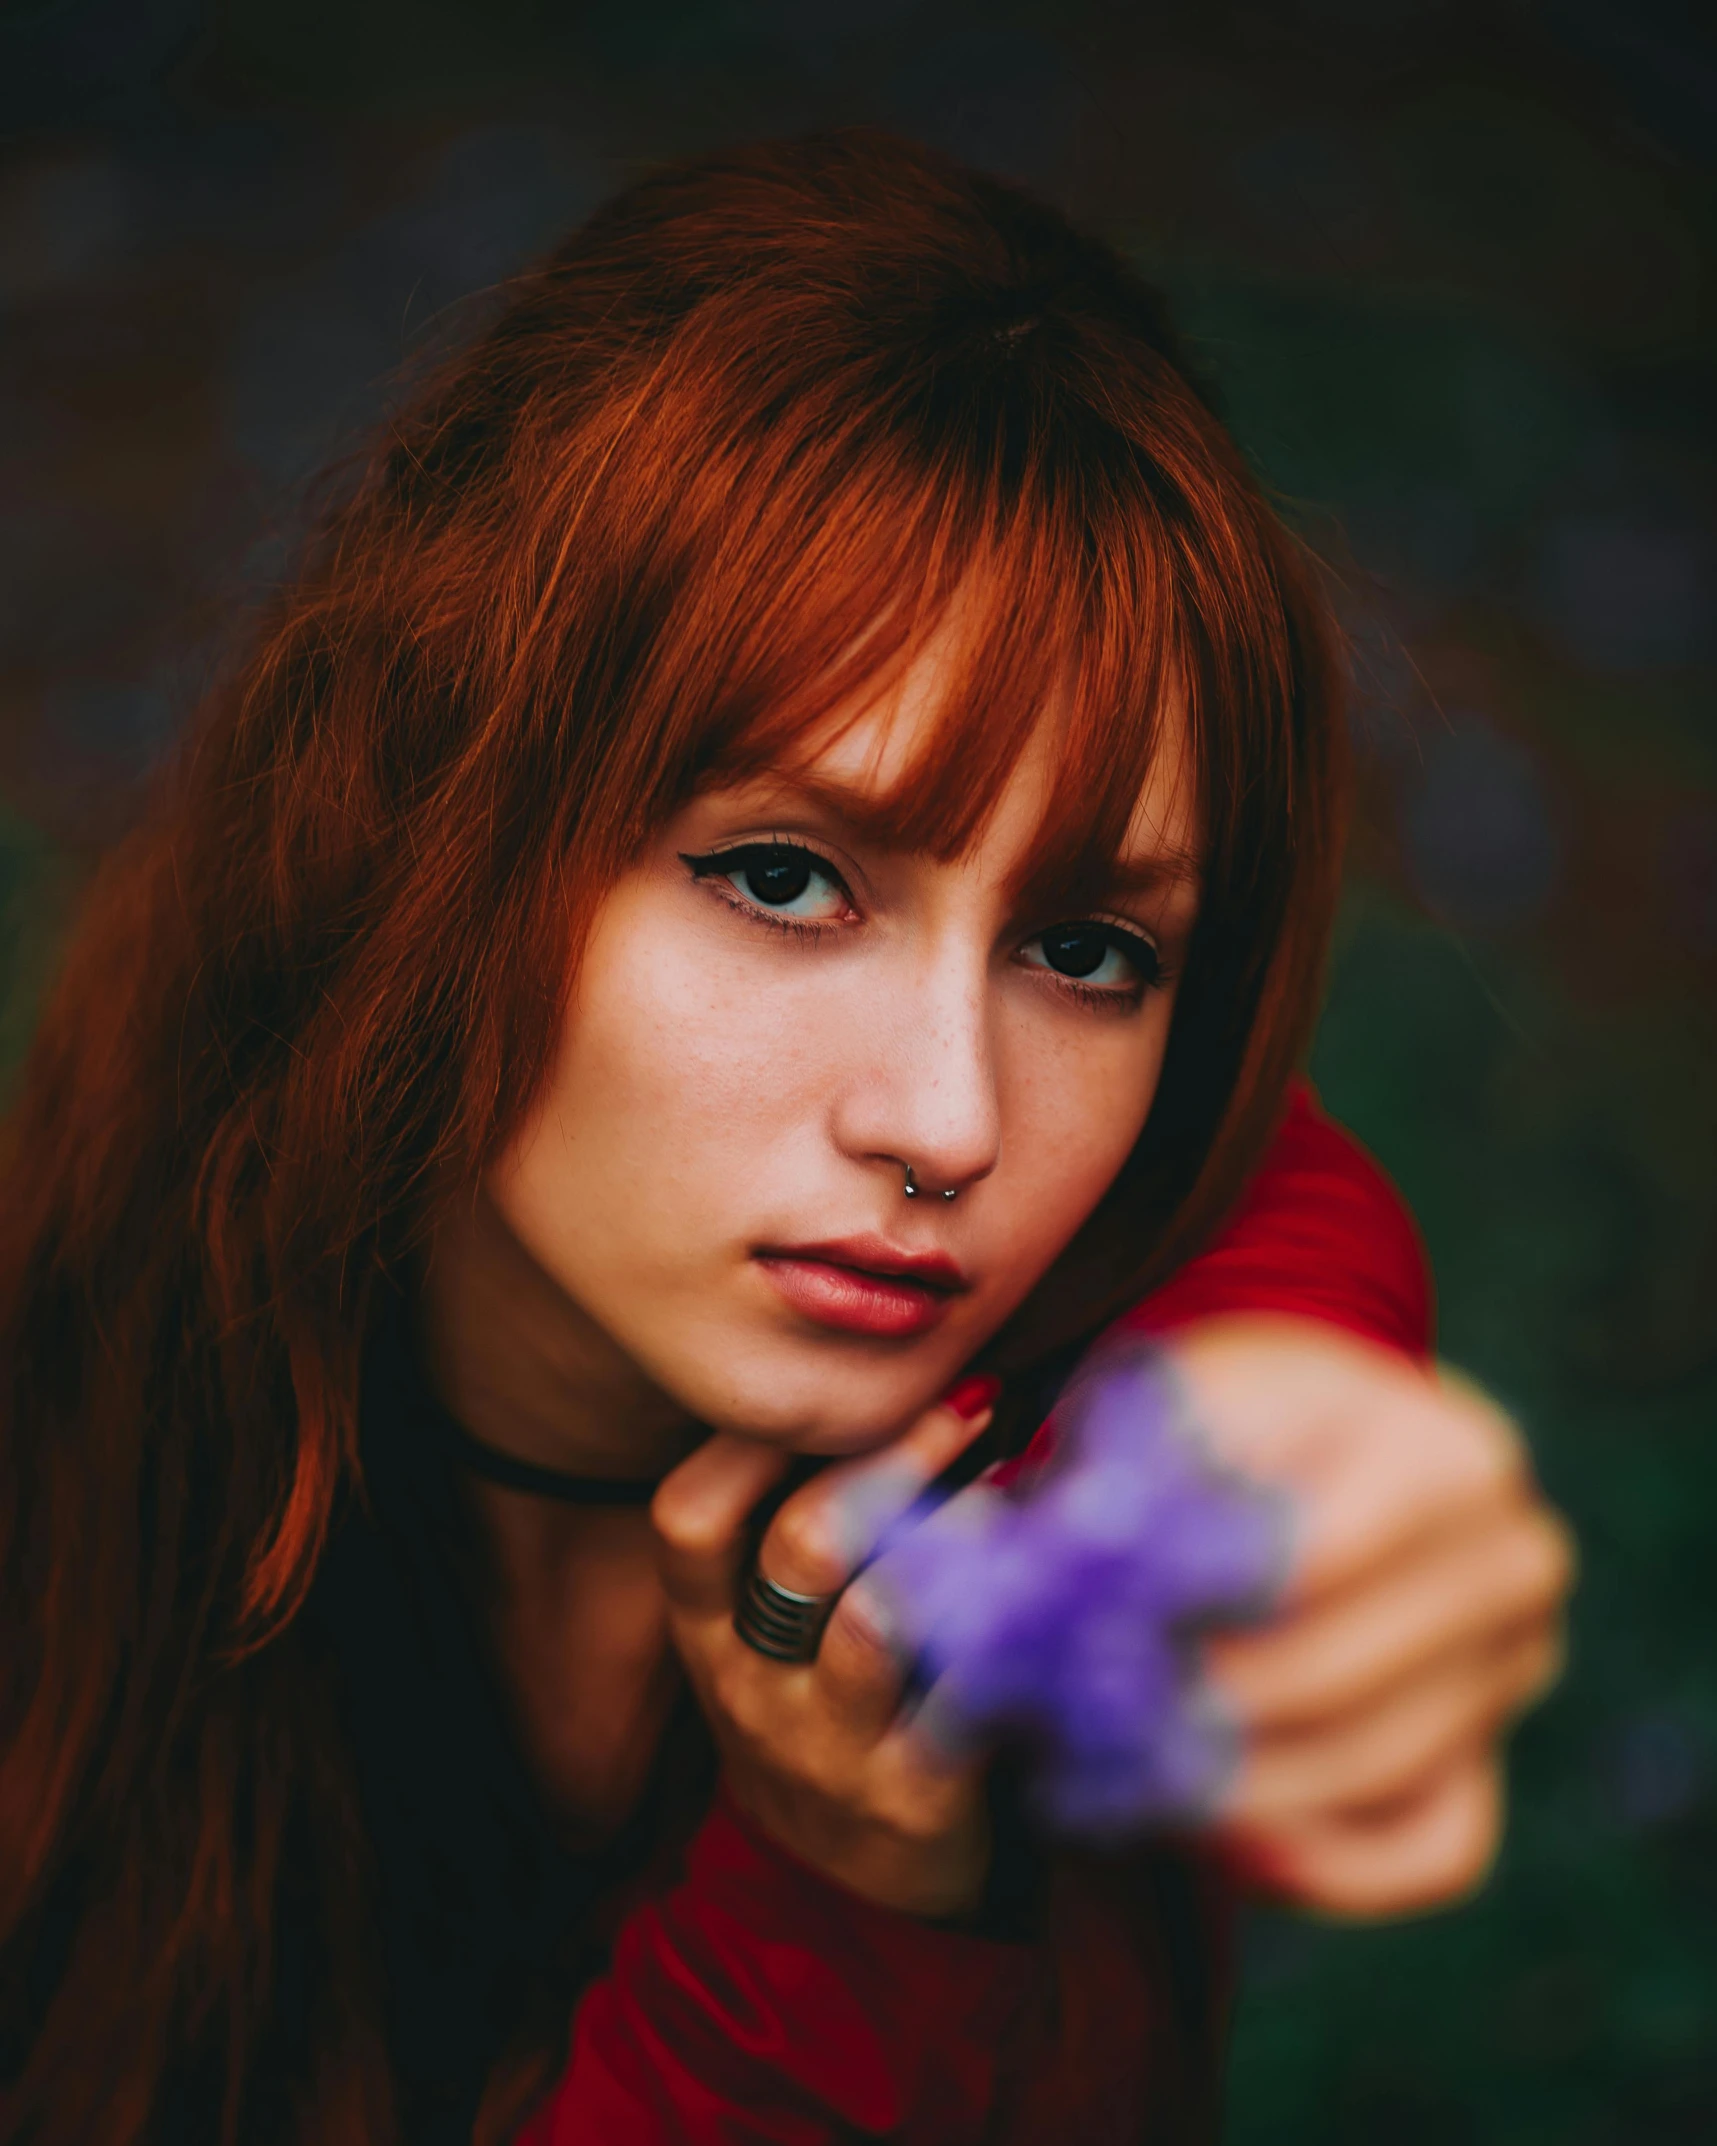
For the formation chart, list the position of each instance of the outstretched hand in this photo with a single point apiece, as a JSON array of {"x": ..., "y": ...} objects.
[{"x": 1422, "y": 1612}]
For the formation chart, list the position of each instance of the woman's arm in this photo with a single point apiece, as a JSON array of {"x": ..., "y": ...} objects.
[{"x": 757, "y": 2000}]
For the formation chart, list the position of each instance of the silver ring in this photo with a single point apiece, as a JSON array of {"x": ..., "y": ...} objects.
[
  {"x": 775, "y": 1621},
  {"x": 950, "y": 1192}
]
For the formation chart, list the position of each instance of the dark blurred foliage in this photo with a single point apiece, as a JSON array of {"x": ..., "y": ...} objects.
[{"x": 1450, "y": 266}]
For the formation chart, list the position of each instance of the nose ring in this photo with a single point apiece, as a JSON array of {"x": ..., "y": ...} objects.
[{"x": 950, "y": 1192}]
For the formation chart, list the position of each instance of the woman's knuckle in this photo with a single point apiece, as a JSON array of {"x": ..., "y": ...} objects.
[
  {"x": 1471, "y": 1840},
  {"x": 1543, "y": 1560},
  {"x": 1539, "y": 1667},
  {"x": 1561, "y": 1553},
  {"x": 1483, "y": 1464},
  {"x": 852, "y": 1644},
  {"x": 1466, "y": 1863},
  {"x": 912, "y": 1816},
  {"x": 685, "y": 1524},
  {"x": 801, "y": 1545}
]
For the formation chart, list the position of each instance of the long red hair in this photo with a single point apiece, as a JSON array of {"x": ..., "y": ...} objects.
[{"x": 726, "y": 456}]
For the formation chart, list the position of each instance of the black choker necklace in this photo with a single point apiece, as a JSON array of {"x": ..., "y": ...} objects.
[{"x": 498, "y": 1467}]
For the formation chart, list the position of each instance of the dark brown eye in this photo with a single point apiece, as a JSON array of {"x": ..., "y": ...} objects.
[
  {"x": 1075, "y": 949},
  {"x": 1123, "y": 963},
  {"x": 776, "y": 876}
]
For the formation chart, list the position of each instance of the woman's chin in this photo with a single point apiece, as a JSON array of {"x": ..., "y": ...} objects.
[
  {"x": 815, "y": 1416},
  {"x": 844, "y": 1441},
  {"x": 830, "y": 1395}
]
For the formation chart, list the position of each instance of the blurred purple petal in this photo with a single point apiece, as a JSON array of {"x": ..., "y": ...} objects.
[{"x": 1067, "y": 1612}]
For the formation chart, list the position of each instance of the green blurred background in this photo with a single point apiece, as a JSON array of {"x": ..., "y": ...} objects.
[{"x": 1450, "y": 267}]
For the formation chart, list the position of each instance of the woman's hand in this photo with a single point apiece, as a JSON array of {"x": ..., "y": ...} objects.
[
  {"x": 1422, "y": 1612},
  {"x": 813, "y": 1751}
]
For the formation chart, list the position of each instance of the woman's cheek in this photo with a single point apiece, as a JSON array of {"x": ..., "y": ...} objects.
[
  {"x": 1073, "y": 1111},
  {"x": 678, "y": 1045}
]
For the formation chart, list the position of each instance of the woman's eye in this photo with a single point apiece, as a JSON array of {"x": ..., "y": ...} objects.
[
  {"x": 1101, "y": 956},
  {"x": 781, "y": 878}
]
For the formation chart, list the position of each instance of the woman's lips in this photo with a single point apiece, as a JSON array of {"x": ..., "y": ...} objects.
[{"x": 864, "y": 1288}]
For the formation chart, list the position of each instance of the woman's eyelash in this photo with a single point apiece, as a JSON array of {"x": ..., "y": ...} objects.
[
  {"x": 1075, "y": 948},
  {"x": 1153, "y": 969},
  {"x": 1111, "y": 1001},
  {"x": 724, "y": 865}
]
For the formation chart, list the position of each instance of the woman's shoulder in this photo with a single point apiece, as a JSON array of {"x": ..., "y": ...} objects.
[{"x": 1321, "y": 1232}]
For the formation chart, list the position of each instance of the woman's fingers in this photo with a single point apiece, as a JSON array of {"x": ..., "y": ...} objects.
[
  {"x": 1375, "y": 1452},
  {"x": 811, "y": 1546},
  {"x": 1396, "y": 1859},
  {"x": 1432, "y": 1458},
  {"x": 830, "y": 1525},
  {"x": 699, "y": 1514},
  {"x": 1423, "y": 1607},
  {"x": 1464, "y": 1590},
  {"x": 827, "y": 1528},
  {"x": 812, "y": 1749},
  {"x": 1387, "y": 1753},
  {"x": 858, "y": 1673}
]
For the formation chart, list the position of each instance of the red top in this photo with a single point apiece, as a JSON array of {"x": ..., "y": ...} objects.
[{"x": 753, "y": 2000}]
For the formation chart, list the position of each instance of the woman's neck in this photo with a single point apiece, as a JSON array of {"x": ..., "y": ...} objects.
[
  {"x": 579, "y": 1628},
  {"x": 572, "y": 1601},
  {"x": 527, "y": 1371}
]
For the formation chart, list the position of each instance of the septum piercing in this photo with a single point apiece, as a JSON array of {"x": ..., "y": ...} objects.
[{"x": 950, "y": 1192}]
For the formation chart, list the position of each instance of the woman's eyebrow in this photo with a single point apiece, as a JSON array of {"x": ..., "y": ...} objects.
[
  {"x": 1161, "y": 872},
  {"x": 861, "y": 809}
]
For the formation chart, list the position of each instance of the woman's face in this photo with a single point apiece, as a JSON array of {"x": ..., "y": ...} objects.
[{"x": 775, "y": 1016}]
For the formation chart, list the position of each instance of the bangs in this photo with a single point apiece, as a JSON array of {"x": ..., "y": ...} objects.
[
  {"x": 1053, "y": 560},
  {"x": 1023, "y": 637}
]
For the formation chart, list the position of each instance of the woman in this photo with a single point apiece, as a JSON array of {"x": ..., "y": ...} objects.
[{"x": 778, "y": 851}]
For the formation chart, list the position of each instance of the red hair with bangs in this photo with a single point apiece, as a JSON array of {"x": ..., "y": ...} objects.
[{"x": 764, "y": 424}]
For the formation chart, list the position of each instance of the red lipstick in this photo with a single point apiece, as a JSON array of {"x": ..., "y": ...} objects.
[{"x": 864, "y": 1285}]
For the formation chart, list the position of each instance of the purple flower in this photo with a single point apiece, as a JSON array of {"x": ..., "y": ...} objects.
[{"x": 1067, "y": 1612}]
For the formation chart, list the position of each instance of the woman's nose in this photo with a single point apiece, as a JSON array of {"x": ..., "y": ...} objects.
[{"x": 924, "y": 1098}]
